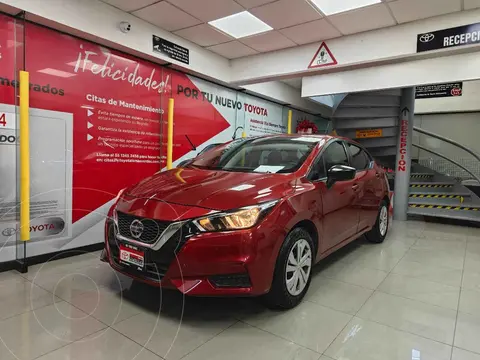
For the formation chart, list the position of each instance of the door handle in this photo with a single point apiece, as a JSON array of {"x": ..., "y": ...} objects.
[
  {"x": 355, "y": 187},
  {"x": 377, "y": 175}
]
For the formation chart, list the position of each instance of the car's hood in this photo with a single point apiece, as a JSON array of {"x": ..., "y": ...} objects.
[{"x": 211, "y": 189}]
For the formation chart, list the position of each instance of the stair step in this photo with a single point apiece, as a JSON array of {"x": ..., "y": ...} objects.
[
  {"x": 467, "y": 215},
  {"x": 439, "y": 191},
  {"x": 421, "y": 175},
  {"x": 430, "y": 179},
  {"x": 416, "y": 176},
  {"x": 431, "y": 184},
  {"x": 446, "y": 206},
  {"x": 438, "y": 197},
  {"x": 456, "y": 201}
]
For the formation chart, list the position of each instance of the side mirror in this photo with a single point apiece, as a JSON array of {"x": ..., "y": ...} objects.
[{"x": 340, "y": 173}]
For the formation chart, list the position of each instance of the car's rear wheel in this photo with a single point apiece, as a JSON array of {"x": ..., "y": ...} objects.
[
  {"x": 380, "y": 229},
  {"x": 293, "y": 271}
]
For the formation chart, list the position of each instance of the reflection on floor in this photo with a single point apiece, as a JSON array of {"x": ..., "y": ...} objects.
[{"x": 417, "y": 297}]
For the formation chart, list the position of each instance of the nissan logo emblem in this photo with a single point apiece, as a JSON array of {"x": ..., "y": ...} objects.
[
  {"x": 9, "y": 232},
  {"x": 426, "y": 38},
  {"x": 136, "y": 229}
]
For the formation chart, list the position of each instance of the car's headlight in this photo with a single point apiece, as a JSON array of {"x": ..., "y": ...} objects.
[{"x": 243, "y": 218}]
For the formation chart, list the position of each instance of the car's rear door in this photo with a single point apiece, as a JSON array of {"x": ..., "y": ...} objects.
[
  {"x": 366, "y": 185},
  {"x": 340, "y": 216}
]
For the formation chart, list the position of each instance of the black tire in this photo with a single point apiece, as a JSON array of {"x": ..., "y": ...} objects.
[
  {"x": 375, "y": 235},
  {"x": 279, "y": 297}
]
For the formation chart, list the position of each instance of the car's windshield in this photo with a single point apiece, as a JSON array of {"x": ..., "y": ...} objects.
[{"x": 266, "y": 155}]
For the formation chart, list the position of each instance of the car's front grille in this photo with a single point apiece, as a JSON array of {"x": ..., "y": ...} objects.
[
  {"x": 157, "y": 262},
  {"x": 151, "y": 229}
]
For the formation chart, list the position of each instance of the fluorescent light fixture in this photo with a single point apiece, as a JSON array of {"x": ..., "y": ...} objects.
[
  {"x": 330, "y": 7},
  {"x": 240, "y": 25},
  {"x": 56, "y": 72}
]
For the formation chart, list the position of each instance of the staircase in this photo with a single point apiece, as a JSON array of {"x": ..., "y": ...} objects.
[
  {"x": 375, "y": 110},
  {"x": 435, "y": 195},
  {"x": 432, "y": 193}
]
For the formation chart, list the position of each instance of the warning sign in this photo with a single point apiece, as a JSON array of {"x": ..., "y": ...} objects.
[
  {"x": 371, "y": 133},
  {"x": 323, "y": 57}
]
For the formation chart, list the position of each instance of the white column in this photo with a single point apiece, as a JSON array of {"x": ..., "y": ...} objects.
[{"x": 404, "y": 154}]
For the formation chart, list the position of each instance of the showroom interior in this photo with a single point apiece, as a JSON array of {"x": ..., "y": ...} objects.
[{"x": 231, "y": 179}]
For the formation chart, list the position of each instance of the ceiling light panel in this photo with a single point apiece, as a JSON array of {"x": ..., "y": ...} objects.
[
  {"x": 330, "y": 7},
  {"x": 240, "y": 25}
]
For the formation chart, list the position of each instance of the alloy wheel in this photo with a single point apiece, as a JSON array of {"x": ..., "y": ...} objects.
[
  {"x": 299, "y": 265},
  {"x": 383, "y": 220}
]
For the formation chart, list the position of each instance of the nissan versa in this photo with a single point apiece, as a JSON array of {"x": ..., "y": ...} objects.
[{"x": 250, "y": 217}]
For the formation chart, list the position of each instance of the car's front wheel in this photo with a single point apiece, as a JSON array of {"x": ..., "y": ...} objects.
[
  {"x": 380, "y": 229},
  {"x": 293, "y": 270}
]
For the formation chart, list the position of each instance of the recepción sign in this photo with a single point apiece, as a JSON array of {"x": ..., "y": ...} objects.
[
  {"x": 402, "y": 150},
  {"x": 439, "y": 90},
  {"x": 446, "y": 38}
]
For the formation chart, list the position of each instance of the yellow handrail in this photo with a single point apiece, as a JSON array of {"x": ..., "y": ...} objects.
[
  {"x": 24, "y": 156},
  {"x": 289, "y": 128},
  {"x": 170, "y": 134}
]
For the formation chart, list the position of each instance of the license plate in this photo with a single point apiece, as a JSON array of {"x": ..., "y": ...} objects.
[{"x": 132, "y": 256}]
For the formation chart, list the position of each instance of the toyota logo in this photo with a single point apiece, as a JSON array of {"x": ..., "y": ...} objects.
[
  {"x": 456, "y": 92},
  {"x": 426, "y": 38},
  {"x": 136, "y": 229},
  {"x": 9, "y": 232}
]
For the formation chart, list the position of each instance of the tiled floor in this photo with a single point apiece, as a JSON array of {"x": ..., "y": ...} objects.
[{"x": 415, "y": 297}]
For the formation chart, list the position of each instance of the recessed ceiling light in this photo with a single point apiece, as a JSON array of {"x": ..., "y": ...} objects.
[
  {"x": 330, "y": 7},
  {"x": 240, "y": 25}
]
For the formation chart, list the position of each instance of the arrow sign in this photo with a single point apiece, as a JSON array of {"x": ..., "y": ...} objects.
[
  {"x": 89, "y": 112},
  {"x": 89, "y": 125},
  {"x": 405, "y": 111},
  {"x": 89, "y": 137}
]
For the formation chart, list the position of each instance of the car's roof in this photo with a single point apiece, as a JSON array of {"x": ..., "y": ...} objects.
[
  {"x": 302, "y": 136},
  {"x": 320, "y": 137}
]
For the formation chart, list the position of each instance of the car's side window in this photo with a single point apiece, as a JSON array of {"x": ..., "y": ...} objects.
[
  {"x": 335, "y": 155},
  {"x": 359, "y": 158}
]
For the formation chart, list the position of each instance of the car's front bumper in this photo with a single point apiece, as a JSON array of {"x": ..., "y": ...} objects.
[{"x": 210, "y": 264}]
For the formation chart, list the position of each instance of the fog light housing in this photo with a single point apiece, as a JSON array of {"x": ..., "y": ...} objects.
[{"x": 231, "y": 281}]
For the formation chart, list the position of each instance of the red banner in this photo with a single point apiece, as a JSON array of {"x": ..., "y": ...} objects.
[{"x": 119, "y": 104}]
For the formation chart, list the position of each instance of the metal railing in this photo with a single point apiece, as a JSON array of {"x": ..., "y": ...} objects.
[
  {"x": 452, "y": 142},
  {"x": 446, "y": 158}
]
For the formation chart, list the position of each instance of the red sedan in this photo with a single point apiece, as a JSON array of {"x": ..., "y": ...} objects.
[{"x": 250, "y": 217}]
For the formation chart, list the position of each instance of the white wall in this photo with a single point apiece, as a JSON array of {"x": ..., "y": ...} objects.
[
  {"x": 454, "y": 68},
  {"x": 461, "y": 127},
  {"x": 469, "y": 101},
  {"x": 281, "y": 92}
]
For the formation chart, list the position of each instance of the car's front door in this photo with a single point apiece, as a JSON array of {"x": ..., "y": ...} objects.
[{"x": 340, "y": 216}]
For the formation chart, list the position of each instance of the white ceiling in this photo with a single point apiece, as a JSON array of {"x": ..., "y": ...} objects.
[{"x": 295, "y": 22}]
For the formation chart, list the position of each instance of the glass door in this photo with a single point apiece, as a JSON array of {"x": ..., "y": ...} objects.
[
  {"x": 12, "y": 60},
  {"x": 22, "y": 235}
]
